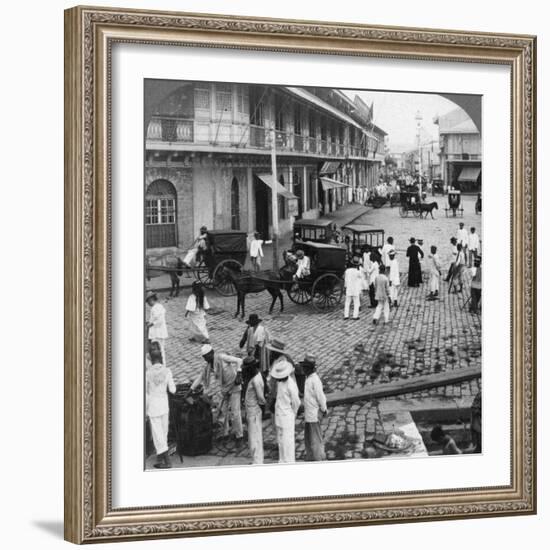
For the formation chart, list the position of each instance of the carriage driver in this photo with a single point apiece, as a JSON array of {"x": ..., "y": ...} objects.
[
  {"x": 199, "y": 245},
  {"x": 303, "y": 265}
]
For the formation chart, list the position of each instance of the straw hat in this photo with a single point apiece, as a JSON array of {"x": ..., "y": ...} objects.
[
  {"x": 276, "y": 345},
  {"x": 281, "y": 369},
  {"x": 206, "y": 349}
]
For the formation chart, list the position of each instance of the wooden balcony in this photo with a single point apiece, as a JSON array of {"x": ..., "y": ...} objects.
[
  {"x": 257, "y": 136},
  {"x": 170, "y": 129}
]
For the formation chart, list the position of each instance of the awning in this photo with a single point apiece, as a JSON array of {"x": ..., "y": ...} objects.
[
  {"x": 281, "y": 189},
  {"x": 330, "y": 168},
  {"x": 328, "y": 183},
  {"x": 469, "y": 173}
]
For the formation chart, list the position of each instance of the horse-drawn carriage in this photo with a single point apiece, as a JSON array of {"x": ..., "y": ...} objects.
[
  {"x": 438, "y": 187},
  {"x": 324, "y": 286},
  {"x": 454, "y": 203},
  {"x": 409, "y": 201},
  {"x": 224, "y": 249},
  {"x": 361, "y": 238},
  {"x": 317, "y": 231}
]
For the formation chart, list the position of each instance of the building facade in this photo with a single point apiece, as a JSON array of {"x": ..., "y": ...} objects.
[
  {"x": 210, "y": 150},
  {"x": 460, "y": 151}
]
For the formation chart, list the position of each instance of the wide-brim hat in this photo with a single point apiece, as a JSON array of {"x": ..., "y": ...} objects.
[
  {"x": 206, "y": 349},
  {"x": 151, "y": 296},
  {"x": 276, "y": 345},
  {"x": 281, "y": 369},
  {"x": 253, "y": 319}
]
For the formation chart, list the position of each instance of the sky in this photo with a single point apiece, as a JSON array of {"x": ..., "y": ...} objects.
[{"x": 395, "y": 113}]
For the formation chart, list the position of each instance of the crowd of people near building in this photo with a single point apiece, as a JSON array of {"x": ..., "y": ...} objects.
[{"x": 266, "y": 381}]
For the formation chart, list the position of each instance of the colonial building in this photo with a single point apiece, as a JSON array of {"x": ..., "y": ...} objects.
[
  {"x": 429, "y": 154},
  {"x": 460, "y": 151},
  {"x": 210, "y": 149}
]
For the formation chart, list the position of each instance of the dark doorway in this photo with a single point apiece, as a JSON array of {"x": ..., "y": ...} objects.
[
  {"x": 160, "y": 215},
  {"x": 235, "y": 209},
  {"x": 263, "y": 205}
]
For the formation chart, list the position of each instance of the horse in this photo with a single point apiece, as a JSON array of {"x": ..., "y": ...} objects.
[
  {"x": 247, "y": 282},
  {"x": 174, "y": 266},
  {"x": 428, "y": 208}
]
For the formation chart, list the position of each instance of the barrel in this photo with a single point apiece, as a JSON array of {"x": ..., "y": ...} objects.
[{"x": 191, "y": 423}]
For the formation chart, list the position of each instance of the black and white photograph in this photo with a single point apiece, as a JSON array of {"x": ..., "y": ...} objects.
[{"x": 313, "y": 274}]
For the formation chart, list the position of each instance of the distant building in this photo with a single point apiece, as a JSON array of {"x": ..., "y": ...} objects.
[
  {"x": 429, "y": 153},
  {"x": 460, "y": 151},
  {"x": 208, "y": 156}
]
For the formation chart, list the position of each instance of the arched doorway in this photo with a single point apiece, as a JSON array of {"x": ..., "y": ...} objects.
[
  {"x": 160, "y": 215},
  {"x": 235, "y": 208}
]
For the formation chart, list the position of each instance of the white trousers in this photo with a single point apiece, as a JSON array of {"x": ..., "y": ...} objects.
[
  {"x": 230, "y": 411},
  {"x": 255, "y": 434},
  {"x": 159, "y": 431},
  {"x": 285, "y": 441},
  {"x": 393, "y": 293},
  {"x": 434, "y": 282},
  {"x": 356, "y": 304},
  {"x": 385, "y": 305}
]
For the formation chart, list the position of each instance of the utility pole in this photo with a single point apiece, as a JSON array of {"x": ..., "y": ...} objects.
[
  {"x": 274, "y": 198},
  {"x": 418, "y": 123}
]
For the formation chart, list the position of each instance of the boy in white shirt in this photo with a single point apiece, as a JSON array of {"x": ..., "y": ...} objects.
[{"x": 256, "y": 251}]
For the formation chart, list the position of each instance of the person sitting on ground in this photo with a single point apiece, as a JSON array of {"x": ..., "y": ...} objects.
[
  {"x": 303, "y": 265},
  {"x": 197, "y": 249},
  {"x": 441, "y": 437}
]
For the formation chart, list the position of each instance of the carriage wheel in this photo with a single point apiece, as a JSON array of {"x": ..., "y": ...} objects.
[
  {"x": 403, "y": 212},
  {"x": 222, "y": 281},
  {"x": 327, "y": 292},
  {"x": 202, "y": 274},
  {"x": 299, "y": 293}
]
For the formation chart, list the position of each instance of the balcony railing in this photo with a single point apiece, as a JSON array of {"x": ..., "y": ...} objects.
[
  {"x": 257, "y": 136},
  {"x": 298, "y": 143},
  {"x": 282, "y": 140},
  {"x": 312, "y": 144},
  {"x": 323, "y": 147},
  {"x": 170, "y": 129}
]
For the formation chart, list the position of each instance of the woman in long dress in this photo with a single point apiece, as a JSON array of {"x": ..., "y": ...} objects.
[
  {"x": 414, "y": 253},
  {"x": 196, "y": 307}
]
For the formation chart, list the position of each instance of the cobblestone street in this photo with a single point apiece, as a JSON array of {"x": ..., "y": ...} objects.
[{"x": 422, "y": 337}]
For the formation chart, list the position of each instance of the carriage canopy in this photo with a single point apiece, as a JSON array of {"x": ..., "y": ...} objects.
[{"x": 325, "y": 257}]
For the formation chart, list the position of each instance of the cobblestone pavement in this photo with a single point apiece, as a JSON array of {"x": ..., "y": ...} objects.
[
  {"x": 422, "y": 337},
  {"x": 434, "y": 232}
]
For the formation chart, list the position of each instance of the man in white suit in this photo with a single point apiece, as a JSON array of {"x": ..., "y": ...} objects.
[{"x": 353, "y": 281}]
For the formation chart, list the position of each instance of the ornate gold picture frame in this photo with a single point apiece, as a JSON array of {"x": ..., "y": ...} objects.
[{"x": 90, "y": 34}]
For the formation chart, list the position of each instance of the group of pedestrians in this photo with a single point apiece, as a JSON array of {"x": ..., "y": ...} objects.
[
  {"x": 272, "y": 393},
  {"x": 376, "y": 273}
]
